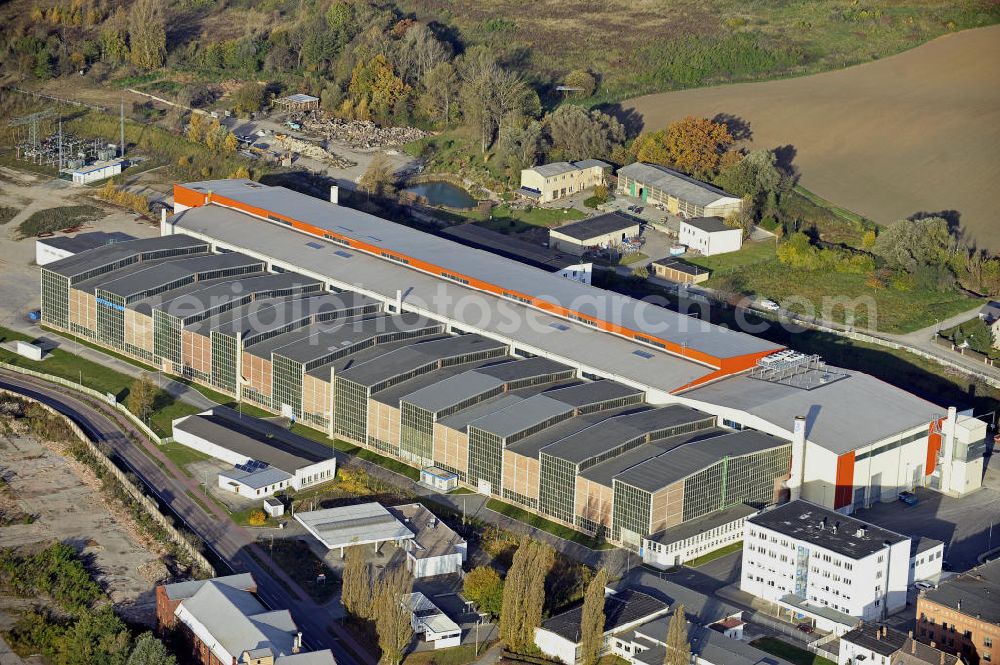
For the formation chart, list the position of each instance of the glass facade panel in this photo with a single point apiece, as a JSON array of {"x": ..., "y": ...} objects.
[
  {"x": 703, "y": 491},
  {"x": 485, "y": 458},
  {"x": 166, "y": 337},
  {"x": 416, "y": 434},
  {"x": 631, "y": 513},
  {"x": 286, "y": 388},
  {"x": 225, "y": 360},
  {"x": 55, "y": 299},
  {"x": 351, "y": 409},
  {"x": 110, "y": 319},
  {"x": 556, "y": 487},
  {"x": 514, "y": 497}
]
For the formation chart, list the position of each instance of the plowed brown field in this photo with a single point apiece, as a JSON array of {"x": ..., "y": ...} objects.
[{"x": 916, "y": 132}]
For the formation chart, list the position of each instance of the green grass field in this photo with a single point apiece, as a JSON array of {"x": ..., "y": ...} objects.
[
  {"x": 714, "y": 554},
  {"x": 181, "y": 455},
  {"x": 792, "y": 654},
  {"x": 543, "y": 524}
]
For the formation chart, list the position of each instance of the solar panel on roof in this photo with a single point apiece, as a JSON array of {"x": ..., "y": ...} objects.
[
  {"x": 343, "y": 254},
  {"x": 559, "y": 326},
  {"x": 642, "y": 354},
  {"x": 314, "y": 245}
]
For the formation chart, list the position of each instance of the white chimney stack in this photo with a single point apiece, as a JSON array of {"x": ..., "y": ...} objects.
[
  {"x": 948, "y": 448},
  {"x": 797, "y": 470},
  {"x": 334, "y": 194}
]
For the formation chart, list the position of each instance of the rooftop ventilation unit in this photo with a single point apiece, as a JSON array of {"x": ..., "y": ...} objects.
[{"x": 796, "y": 370}]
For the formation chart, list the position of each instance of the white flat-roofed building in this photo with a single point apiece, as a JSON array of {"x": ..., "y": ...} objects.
[
  {"x": 926, "y": 559},
  {"x": 427, "y": 620},
  {"x": 819, "y": 564},
  {"x": 48, "y": 250},
  {"x": 435, "y": 548},
  {"x": 689, "y": 540},
  {"x": 100, "y": 170},
  {"x": 266, "y": 458},
  {"x": 710, "y": 236}
]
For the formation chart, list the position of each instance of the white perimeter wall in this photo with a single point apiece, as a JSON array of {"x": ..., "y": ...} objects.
[{"x": 554, "y": 646}]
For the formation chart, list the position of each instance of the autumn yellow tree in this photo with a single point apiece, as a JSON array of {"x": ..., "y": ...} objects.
[
  {"x": 692, "y": 145},
  {"x": 230, "y": 143}
]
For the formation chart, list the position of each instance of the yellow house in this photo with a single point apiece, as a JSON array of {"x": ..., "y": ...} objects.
[{"x": 549, "y": 182}]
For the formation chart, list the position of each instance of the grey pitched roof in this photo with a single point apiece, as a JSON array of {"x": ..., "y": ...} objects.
[
  {"x": 163, "y": 274},
  {"x": 709, "y": 645},
  {"x": 84, "y": 241},
  {"x": 553, "y": 169},
  {"x": 681, "y": 266},
  {"x": 708, "y": 224},
  {"x": 975, "y": 592},
  {"x": 187, "y": 588},
  {"x": 258, "y": 479},
  {"x": 620, "y": 609},
  {"x": 674, "y": 183},
  {"x": 826, "y": 528},
  {"x": 599, "y": 225},
  {"x": 588, "y": 163},
  {"x": 698, "y": 607},
  {"x": 199, "y": 298},
  {"x": 237, "y": 621},
  {"x": 841, "y": 416}
]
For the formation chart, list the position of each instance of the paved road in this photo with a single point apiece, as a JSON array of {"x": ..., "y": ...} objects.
[{"x": 231, "y": 543}]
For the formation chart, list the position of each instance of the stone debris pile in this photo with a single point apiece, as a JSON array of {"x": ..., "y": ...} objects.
[
  {"x": 358, "y": 134},
  {"x": 313, "y": 151}
]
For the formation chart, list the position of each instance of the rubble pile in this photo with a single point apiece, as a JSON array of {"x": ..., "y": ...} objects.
[
  {"x": 358, "y": 134},
  {"x": 313, "y": 151}
]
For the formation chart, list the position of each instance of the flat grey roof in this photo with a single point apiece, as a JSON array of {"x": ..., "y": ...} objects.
[
  {"x": 357, "y": 524},
  {"x": 257, "y": 479},
  {"x": 325, "y": 337},
  {"x": 593, "y": 227},
  {"x": 613, "y": 432},
  {"x": 973, "y": 593},
  {"x": 592, "y": 392},
  {"x": 461, "y": 420},
  {"x": 194, "y": 299},
  {"x": 709, "y": 645},
  {"x": 458, "y": 388},
  {"x": 254, "y": 438},
  {"x": 677, "y": 184},
  {"x": 416, "y": 355},
  {"x": 187, "y": 588},
  {"x": 159, "y": 275},
  {"x": 540, "y": 333},
  {"x": 826, "y": 528},
  {"x": 681, "y": 266},
  {"x": 84, "y": 241},
  {"x": 492, "y": 269},
  {"x": 840, "y": 416},
  {"x": 530, "y": 446},
  {"x": 588, "y": 163},
  {"x": 95, "y": 258},
  {"x": 681, "y": 532},
  {"x": 708, "y": 224},
  {"x": 691, "y": 457}
]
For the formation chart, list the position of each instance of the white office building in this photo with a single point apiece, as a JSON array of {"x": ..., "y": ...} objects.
[
  {"x": 428, "y": 621},
  {"x": 824, "y": 567}
]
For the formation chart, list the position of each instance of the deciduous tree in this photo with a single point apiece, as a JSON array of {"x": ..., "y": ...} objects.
[
  {"x": 582, "y": 79},
  {"x": 141, "y": 397},
  {"x": 592, "y": 619},
  {"x": 148, "y": 650},
  {"x": 580, "y": 134},
  {"x": 147, "y": 34},
  {"x": 910, "y": 244},
  {"x": 379, "y": 177},
  {"x": 440, "y": 88},
  {"x": 691, "y": 145},
  {"x": 484, "y": 587}
]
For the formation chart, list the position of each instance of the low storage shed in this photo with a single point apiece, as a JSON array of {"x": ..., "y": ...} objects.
[
  {"x": 266, "y": 458},
  {"x": 601, "y": 232},
  {"x": 682, "y": 272}
]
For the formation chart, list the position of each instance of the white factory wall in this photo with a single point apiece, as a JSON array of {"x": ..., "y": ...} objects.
[
  {"x": 202, "y": 445},
  {"x": 45, "y": 254},
  {"x": 320, "y": 472},
  {"x": 666, "y": 556},
  {"x": 434, "y": 565},
  {"x": 926, "y": 565},
  {"x": 555, "y": 646}
]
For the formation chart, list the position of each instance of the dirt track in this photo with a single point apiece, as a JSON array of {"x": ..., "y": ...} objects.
[{"x": 917, "y": 132}]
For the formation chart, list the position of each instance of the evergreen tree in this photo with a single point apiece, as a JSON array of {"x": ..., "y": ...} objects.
[
  {"x": 148, "y": 650},
  {"x": 592, "y": 619},
  {"x": 678, "y": 646},
  {"x": 542, "y": 558}
]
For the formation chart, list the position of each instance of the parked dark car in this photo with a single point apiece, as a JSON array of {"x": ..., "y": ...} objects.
[
  {"x": 909, "y": 498},
  {"x": 805, "y": 628}
]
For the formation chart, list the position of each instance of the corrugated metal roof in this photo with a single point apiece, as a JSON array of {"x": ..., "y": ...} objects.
[
  {"x": 553, "y": 169},
  {"x": 95, "y": 258},
  {"x": 674, "y": 183},
  {"x": 416, "y": 355},
  {"x": 161, "y": 274},
  {"x": 596, "y": 226}
]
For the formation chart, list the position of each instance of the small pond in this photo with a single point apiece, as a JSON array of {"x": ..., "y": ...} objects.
[{"x": 441, "y": 193}]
